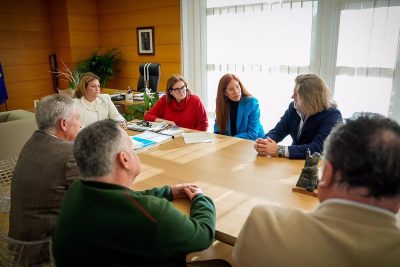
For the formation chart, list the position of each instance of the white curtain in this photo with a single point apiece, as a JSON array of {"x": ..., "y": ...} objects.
[
  {"x": 366, "y": 56},
  {"x": 352, "y": 44}
]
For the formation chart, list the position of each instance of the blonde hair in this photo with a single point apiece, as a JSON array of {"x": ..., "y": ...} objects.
[
  {"x": 313, "y": 94},
  {"x": 83, "y": 83}
]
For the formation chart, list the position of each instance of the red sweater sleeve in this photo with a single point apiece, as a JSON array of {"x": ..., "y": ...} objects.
[
  {"x": 156, "y": 111},
  {"x": 201, "y": 117}
]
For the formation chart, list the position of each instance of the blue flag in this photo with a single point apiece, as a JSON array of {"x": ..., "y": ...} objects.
[{"x": 3, "y": 90}]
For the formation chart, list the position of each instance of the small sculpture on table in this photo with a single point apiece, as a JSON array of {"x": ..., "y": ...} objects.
[{"x": 308, "y": 179}]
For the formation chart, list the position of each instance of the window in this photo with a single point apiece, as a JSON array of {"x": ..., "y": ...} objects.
[
  {"x": 366, "y": 58},
  {"x": 264, "y": 48},
  {"x": 352, "y": 44}
]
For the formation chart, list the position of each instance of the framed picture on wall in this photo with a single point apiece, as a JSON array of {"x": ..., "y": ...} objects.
[{"x": 145, "y": 37}]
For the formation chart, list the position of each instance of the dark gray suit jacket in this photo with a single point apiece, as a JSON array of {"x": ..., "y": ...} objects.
[{"x": 44, "y": 171}]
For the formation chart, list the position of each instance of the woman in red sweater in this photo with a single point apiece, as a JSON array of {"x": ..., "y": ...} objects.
[{"x": 179, "y": 107}]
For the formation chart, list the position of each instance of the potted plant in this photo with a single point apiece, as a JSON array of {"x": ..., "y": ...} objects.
[
  {"x": 103, "y": 65},
  {"x": 138, "y": 111},
  {"x": 71, "y": 76}
]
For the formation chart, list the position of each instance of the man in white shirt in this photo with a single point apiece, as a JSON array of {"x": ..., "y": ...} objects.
[{"x": 355, "y": 224}]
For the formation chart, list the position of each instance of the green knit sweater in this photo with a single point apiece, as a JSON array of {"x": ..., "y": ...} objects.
[{"x": 104, "y": 224}]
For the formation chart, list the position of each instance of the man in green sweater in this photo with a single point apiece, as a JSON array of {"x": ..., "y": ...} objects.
[{"x": 103, "y": 222}]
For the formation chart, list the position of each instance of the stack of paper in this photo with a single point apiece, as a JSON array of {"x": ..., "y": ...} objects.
[
  {"x": 197, "y": 137},
  {"x": 173, "y": 131},
  {"x": 148, "y": 138},
  {"x": 144, "y": 126},
  {"x": 138, "y": 143}
]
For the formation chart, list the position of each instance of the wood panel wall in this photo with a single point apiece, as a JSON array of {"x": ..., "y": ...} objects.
[
  {"x": 74, "y": 31},
  {"x": 31, "y": 30},
  {"x": 118, "y": 20},
  {"x": 25, "y": 46}
]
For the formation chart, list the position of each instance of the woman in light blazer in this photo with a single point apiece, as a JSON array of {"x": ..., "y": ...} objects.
[
  {"x": 92, "y": 105},
  {"x": 237, "y": 112}
]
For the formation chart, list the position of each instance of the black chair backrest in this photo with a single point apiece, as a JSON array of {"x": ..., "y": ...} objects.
[{"x": 150, "y": 72}]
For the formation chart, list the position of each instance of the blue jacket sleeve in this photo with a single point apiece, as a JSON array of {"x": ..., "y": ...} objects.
[
  {"x": 216, "y": 127},
  {"x": 250, "y": 131},
  {"x": 316, "y": 145}
]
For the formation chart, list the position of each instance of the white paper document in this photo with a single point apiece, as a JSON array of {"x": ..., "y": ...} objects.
[
  {"x": 144, "y": 126},
  {"x": 174, "y": 131},
  {"x": 198, "y": 137},
  {"x": 155, "y": 137}
]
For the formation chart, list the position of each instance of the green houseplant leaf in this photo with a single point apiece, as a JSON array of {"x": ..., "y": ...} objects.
[
  {"x": 138, "y": 111},
  {"x": 103, "y": 65}
]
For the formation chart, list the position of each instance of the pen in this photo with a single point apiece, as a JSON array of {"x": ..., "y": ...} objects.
[{"x": 173, "y": 137}]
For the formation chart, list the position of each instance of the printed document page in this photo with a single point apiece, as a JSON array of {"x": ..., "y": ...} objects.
[{"x": 198, "y": 137}]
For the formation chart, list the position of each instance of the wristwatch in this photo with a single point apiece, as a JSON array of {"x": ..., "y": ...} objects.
[{"x": 281, "y": 151}]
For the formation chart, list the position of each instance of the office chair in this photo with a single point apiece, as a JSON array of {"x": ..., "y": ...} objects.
[
  {"x": 150, "y": 76},
  {"x": 6, "y": 172},
  {"x": 15, "y": 252}
]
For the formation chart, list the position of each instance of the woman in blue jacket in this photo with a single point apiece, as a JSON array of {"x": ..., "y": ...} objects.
[{"x": 237, "y": 111}]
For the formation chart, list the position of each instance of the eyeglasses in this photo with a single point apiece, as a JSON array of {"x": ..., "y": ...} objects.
[
  {"x": 144, "y": 123},
  {"x": 178, "y": 90}
]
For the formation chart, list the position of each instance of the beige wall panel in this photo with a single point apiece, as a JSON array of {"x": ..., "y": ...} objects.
[
  {"x": 57, "y": 7},
  {"x": 88, "y": 7},
  {"x": 82, "y": 22},
  {"x": 168, "y": 34},
  {"x": 27, "y": 73},
  {"x": 84, "y": 39},
  {"x": 23, "y": 40},
  {"x": 23, "y": 102},
  {"x": 128, "y": 53},
  {"x": 60, "y": 39},
  {"x": 64, "y": 55},
  {"x": 11, "y": 39},
  {"x": 148, "y": 17},
  {"x": 123, "y": 37},
  {"x": 120, "y": 6},
  {"x": 80, "y": 53},
  {"x": 24, "y": 22},
  {"x": 37, "y": 39},
  {"x": 59, "y": 23},
  {"x": 23, "y": 89},
  {"x": 24, "y": 56},
  {"x": 23, "y": 7},
  {"x": 163, "y": 53}
]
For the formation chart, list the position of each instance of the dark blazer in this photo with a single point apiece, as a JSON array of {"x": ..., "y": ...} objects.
[
  {"x": 315, "y": 130},
  {"x": 43, "y": 173}
]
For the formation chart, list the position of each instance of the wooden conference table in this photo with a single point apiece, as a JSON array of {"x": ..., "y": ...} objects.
[{"x": 229, "y": 171}]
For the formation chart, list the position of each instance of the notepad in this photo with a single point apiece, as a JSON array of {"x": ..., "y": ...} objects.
[
  {"x": 148, "y": 139},
  {"x": 138, "y": 143},
  {"x": 141, "y": 126},
  {"x": 173, "y": 131},
  {"x": 198, "y": 137}
]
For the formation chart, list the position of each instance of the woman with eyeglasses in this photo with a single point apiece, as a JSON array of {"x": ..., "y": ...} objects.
[
  {"x": 179, "y": 107},
  {"x": 237, "y": 112}
]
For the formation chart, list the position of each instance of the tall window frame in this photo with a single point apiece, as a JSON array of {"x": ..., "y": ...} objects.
[{"x": 324, "y": 45}]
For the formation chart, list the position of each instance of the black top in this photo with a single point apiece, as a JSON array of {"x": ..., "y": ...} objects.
[{"x": 233, "y": 108}]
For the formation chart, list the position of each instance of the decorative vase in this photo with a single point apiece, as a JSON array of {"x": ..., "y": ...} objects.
[{"x": 68, "y": 92}]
